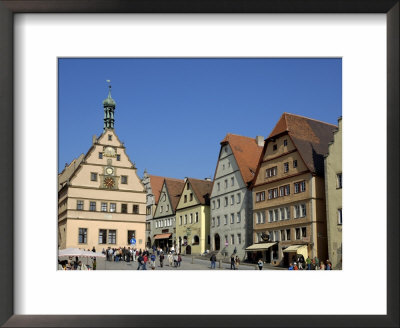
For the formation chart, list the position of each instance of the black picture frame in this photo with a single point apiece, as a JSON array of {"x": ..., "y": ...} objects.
[{"x": 10, "y": 7}]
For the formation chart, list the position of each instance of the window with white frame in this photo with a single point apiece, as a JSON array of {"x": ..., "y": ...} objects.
[
  {"x": 281, "y": 191},
  {"x": 298, "y": 234},
  {"x": 112, "y": 236},
  {"x": 232, "y": 218},
  {"x": 302, "y": 186},
  {"x": 232, "y": 181},
  {"x": 185, "y": 218},
  {"x": 282, "y": 213},
  {"x": 239, "y": 238},
  {"x": 238, "y": 218},
  {"x": 260, "y": 196},
  {"x": 232, "y": 199},
  {"x": 271, "y": 172},
  {"x": 339, "y": 180},
  {"x": 340, "y": 216},
  {"x": 296, "y": 211},
  {"x": 226, "y": 201},
  {"x": 287, "y": 210},
  {"x": 79, "y": 205},
  {"x": 276, "y": 214},
  {"x": 225, "y": 219},
  {"x": 104, "y": 207},
  {"x": 238, "y": 198},
  {"x": 226, "y": 183},
  {"x": 113, "y": 207},
  {"x": 303, "y": 210},
  {"x": 270, "y": 215},
  {"x": 286, "y": 167}
]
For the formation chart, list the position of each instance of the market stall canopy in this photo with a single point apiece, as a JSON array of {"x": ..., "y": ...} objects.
[
  {"x": 78, "y": 252},
  {"x": 259, "y": 247},
  {"x": 163, "y": 236}
]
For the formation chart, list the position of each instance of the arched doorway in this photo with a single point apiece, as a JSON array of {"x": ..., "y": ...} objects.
[
  {"x": 217, "y": 242},
  {"x": 188, "y": 250}
]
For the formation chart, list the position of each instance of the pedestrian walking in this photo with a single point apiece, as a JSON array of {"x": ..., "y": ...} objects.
[
  {"x": 213, "y": 259},
  {"x": 308, "y": 261},
  {"x": 179, "y": 260},
  {"x": 161, "y": 259},
  {"x": 260, "y": 264},
  {"x": 140, "y": 262},
  {"x": 145, "y": 259},
  {"x": 316, "y": 259},
  {"x": 170, "y": 259},
  {"x": 301, "y": 262},
  {"x": 233, "y": 262},
  {"x": 237, "y": 262},
  {"x": 153, "y": 261}
]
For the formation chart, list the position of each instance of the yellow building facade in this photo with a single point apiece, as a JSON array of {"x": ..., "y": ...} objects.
[
  {"x": 193, "y": 217},
  {"x": 101, "y": 200},
  {"x": 333, "y": 190}
]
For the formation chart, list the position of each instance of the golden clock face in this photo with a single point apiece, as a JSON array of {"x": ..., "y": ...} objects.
[
  {"x": 108, "y": 182},
  {"x": 109, "y": 152},
  {"x": 109, "y": 170}
]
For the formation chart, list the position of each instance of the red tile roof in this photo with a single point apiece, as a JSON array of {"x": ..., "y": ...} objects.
[
  {"x": 156, "y": 183},
  {"x": 174, "y": 188},
  {"x": 202, "y": 190},
  {"x": 311, "y": 138},
  {"x": 246, "y": 152}
]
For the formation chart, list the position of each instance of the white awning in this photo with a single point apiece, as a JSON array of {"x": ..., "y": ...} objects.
[
  {"x": 258, "y": 247},
  {"x": 293, "y": 248}
]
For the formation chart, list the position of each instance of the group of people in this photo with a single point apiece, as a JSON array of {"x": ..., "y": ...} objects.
[
  {"x": 310, "y": 264},
  {"x": 70, "y": 264},
  {"x": 174, "y": 260}
]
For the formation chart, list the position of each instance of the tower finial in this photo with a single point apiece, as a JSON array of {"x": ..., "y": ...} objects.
[{"x": 109, "y": 107}]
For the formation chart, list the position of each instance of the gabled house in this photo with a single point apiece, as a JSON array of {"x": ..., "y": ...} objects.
[
  {"x": 289, "y": 192},
  {"x": 231, "y": 200},
  {"x": 101, "y": 200},
  {"x": 193, "y": 217},
  {"x": 152, "y": 185},
  {"x": 163, "y": 224}
]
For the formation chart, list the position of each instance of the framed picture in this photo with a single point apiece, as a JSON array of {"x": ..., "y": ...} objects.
[{"x": 22, "y": 268}]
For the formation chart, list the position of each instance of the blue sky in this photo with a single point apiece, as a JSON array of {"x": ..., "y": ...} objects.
[{"x": 173, "y": 113}]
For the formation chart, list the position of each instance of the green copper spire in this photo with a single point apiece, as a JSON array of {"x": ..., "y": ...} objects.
[{"x": 109, "y": 107}]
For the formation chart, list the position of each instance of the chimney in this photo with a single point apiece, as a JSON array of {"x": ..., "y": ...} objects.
[
  {"x": 260, "y": 141},
  {"x": 94, "y": 139}
]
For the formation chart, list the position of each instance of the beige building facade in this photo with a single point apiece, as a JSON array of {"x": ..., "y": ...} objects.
[
  {"x": 289, "y": 192},
  {"x": 333, "y": 190},
  {"x": 101, "y": 200}
]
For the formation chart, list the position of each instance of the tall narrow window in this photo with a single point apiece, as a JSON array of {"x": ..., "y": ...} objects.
[
  {"x": 124, "y": 179},
  {"x": 112, "y": 236},
  {"x": 304, "y": 232},
  {"x": 238, "y": 217},
  {"x": 303, "y": 210},
  {"x": 295, "y": 163},
  {"x": 232, "y": 181},
  {"x": 232, "y": 218},
  {"x": 239, "y": 238},
  {"x": 82, "y": 237},
  {"x": 238, "y": 198},
  {"x": 92, "y": 206},
  {"x": 102, "y": 236},
  {"x": 79, "y": 205},
  {"x": 339, "y": 180},
  {"x": 113, "y": 207},
  {"x": 100, "y": 155},
  {"x": 287, "y": 234},
  {"x": 124, "y": 208},
  {"x": 196, "y": 217},
  {"x": 286, "y": 167},
  {"x": 340, "y": 216},
  {"x": 93, "y": 176},
  {"x": 135, "y": 209},
  {"x": 118, "y": 157},
  {"x": 225, "y": 219},
  {"x": 104, "y": 207}
]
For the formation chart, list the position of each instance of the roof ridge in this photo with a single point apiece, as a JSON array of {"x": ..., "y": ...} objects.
[{"x": 308, "y": 118}]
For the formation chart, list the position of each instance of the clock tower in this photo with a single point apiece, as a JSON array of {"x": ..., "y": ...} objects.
[{"x": 109, "y": 108}]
